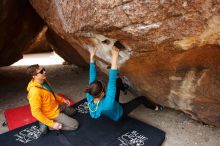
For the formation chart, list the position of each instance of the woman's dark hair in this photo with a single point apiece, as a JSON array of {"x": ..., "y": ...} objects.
[{"x": 95, "y": 88}]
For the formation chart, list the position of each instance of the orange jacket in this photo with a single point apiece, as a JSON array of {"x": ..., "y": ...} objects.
[{"x": 44, "y": 106}]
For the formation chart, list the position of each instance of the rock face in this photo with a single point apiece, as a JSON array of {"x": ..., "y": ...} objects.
[
  {"x": 172, "y": 48},
  {"x": 19, "y": 24},
  {"x": 39, "y": 44},
  {"x": 64, "y": 49}
]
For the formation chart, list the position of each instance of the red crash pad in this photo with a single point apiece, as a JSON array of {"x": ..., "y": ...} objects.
[{"x": 20, "y": 116}]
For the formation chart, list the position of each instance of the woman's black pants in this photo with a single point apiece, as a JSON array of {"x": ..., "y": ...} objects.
[{"x": 131, "y": 105}]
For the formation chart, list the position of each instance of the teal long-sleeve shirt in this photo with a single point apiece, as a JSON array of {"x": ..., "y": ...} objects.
[{"x": 107, "y": 105}]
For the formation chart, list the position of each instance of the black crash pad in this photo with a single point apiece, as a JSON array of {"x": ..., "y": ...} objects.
[{"x": 92, "y": 132}]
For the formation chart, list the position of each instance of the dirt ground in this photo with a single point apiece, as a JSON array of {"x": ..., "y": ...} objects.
[{"x": 71, "y": 81}]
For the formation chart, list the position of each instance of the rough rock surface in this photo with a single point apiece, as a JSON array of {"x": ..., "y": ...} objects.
[
  {"x": 172, "y": 50},
  {"x": 19, "y": 24}
]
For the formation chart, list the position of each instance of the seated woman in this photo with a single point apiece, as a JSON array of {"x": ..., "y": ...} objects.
[{"x": 105, "y": 102}]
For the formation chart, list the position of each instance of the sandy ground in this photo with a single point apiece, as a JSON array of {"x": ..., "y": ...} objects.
[{"x": 71, "y": 81}]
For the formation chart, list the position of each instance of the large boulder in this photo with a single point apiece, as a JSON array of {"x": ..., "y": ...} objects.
[
  {"x": 19, "y": 24},
  {"x": 172, "y": 48}
]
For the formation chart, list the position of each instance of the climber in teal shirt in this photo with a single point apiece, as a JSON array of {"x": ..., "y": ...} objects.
[{"x": 101, "y": 102}]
